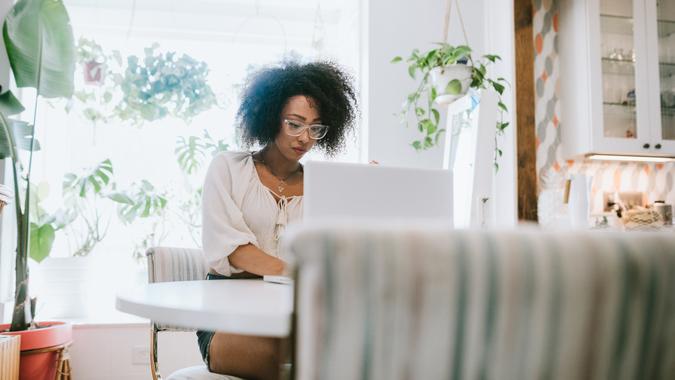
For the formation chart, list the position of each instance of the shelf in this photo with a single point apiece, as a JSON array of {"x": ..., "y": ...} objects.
[
  {"x": 626, "y": 106},
  {"x": 627, "y": 67},
  {"x": 666, "y": 69},
  {"x": 618, "y": 66},
  {"x": 666, "y": 28},
  {"x": 667, "y": 111},
  {"x": 616, "y": 24}
]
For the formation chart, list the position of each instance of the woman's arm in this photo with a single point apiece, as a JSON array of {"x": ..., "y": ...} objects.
[{"x": 252, "y": 259}]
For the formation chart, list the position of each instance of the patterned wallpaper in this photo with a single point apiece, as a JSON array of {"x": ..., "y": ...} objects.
[{"x": 656, "y": 180}]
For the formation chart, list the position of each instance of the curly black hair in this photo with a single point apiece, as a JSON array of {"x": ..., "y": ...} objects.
[{"x": 267, "y": 91}]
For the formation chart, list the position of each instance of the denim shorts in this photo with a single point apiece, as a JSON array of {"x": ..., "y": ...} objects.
[{"x": 204, "y": 337}]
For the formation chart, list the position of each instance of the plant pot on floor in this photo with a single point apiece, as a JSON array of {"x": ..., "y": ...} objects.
[
  {"x": 41, "y": 349},
  {"x": 451, "y": 82}
]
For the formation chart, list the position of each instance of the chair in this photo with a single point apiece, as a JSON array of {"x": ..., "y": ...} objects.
[
  {"x": 177, "y": 264},
  {"x": 428, "y": 302}
]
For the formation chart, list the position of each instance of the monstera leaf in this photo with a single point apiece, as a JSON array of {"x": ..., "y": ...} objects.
[
  {"x": 142, "y": 200},
  {"x": 40, "y": 46},
  {"x": 93, "y": 180}
]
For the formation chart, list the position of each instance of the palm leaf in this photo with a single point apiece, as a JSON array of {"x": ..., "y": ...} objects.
[{"x": 40, "y": 46}]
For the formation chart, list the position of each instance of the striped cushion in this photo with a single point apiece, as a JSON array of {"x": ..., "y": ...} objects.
[
  {"x": 175, "y": 264},
  {"x": 433, "y": 303}
]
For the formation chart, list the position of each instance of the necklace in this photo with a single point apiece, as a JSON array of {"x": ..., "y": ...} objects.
[{"x": 281, "y": 185}]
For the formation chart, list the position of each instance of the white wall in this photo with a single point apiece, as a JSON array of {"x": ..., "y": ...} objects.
[
  {"x": 499, "y": 39},
  {"x": 396, "y": 28},
  {"x": 111, "y": 352}
]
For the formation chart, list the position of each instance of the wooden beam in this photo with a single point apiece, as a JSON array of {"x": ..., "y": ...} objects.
[{"x": 527, "y": 152}]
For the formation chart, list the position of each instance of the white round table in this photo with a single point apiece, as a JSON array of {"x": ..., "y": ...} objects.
[{"x": 249, "y": 307}]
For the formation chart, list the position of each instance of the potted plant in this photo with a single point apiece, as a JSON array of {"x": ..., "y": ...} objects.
[
  {"x": 39, "y": 43},
  {"x": 445, "y": 73}
]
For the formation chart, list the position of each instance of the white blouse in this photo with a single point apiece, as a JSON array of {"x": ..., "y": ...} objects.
[{"x": 238, "y": 209}]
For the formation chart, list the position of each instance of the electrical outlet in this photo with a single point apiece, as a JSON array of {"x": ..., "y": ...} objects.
[{"x": 140, "y": 355}]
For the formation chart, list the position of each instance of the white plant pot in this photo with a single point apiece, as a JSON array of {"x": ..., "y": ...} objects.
[
  {"x": 451, "y": 82},
  {"x": 60, "y": 284}
]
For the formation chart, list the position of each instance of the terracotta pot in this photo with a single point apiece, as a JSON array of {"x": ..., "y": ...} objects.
[
  {"x": 93, "y": 73},
  {"x": 42, "y": 365}
]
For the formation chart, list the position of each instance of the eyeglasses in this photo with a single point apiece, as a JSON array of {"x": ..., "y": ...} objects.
[{"x": 295, "y": 128}]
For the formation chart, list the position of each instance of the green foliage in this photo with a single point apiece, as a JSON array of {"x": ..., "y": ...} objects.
[
  {"x": 85, "y": 221},
  {"x": 420, "y": 64},
  {"x": 142, "y": 200},
  {"x": 140, "y": 89},
  {"x": 162, "y": 84},
  {"x": 96, "y": 97},
  {"x": 39, "y": 44},
  {"x": 192, "y": 151}
]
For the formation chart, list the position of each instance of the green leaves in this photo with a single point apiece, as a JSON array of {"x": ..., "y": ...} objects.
[
  {"x": 163, "y": 84},
  {"x": 41, "y": 241},
  {"x": 142, "y": 201},
  {"x": 39, "y": 42},
  {"x": 492, "y": 57},
  {"x": 189, "y": 153},
  {"x": 192, "y": 151},
  {"x": 93, "y": 180},
  {"x": 426, "y": 116},
  {"x": 9, "y": 104}
]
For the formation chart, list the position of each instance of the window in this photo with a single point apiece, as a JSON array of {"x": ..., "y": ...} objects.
[{"x": 116, "y": 176}]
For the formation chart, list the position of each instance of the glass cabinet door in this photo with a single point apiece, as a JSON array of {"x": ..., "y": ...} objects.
[
  {"x": 665, "y": 10},
  {"x": 618, "y": 54}
]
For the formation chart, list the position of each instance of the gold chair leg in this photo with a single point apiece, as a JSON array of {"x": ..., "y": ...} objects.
[{"x": 154, "y": 369}]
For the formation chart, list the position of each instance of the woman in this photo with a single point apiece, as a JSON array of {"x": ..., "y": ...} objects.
[{"x": 250, "y": 197}]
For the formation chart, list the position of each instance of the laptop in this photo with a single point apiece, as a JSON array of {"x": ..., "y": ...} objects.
[{"x": 335, "y": 190}]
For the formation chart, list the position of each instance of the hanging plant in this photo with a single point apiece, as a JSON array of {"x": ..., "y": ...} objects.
[
  {"x": 454, "y": 75},
  {"x": 163, "y": 84},
  {"x": 143, "y": 90},
  {"x": 445, "y": 73}
]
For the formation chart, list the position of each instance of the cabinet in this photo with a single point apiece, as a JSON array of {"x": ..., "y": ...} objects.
[{"x": 617, "y": 89}]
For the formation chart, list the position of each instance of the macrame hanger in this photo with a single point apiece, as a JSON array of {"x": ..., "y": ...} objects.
[
  {"x": 446, "y": 23},
  {"x": 132, "y": 19}
]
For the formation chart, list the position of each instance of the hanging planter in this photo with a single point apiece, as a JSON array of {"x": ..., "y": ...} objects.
[
  {"x": 451, "y": 82},
  {"x": 94, "y": 73},
  {"x": 93, "y": 60},
  {"x": 445, "y": 74}
]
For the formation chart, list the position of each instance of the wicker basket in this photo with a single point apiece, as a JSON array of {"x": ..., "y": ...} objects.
[
  {"x": 10, "y": 350},
  {"x": 642, "y": 219}
]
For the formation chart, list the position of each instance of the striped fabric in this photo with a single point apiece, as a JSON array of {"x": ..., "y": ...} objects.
[
  {"x": 433, "y": 303},
  {"x": 175, "y": 264}
]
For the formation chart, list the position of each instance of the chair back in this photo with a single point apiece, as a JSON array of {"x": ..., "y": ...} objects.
[
  {"x": 429, "y": 302},
  {"x": 175, "y": 264}
]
